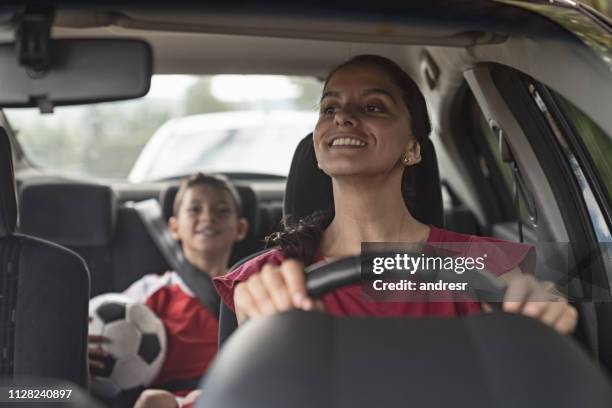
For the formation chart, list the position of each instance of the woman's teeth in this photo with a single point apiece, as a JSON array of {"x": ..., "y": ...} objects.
[{"x": 348, "y": 141}]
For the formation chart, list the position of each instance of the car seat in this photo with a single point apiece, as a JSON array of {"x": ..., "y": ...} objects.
[
  {"x": 88, "y": 219},
  {"x": 45, "y": 291},
  {"x": 79, "y": 216}
]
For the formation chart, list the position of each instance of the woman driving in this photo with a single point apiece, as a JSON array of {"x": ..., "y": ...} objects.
[{"x": 373, "y": 121}]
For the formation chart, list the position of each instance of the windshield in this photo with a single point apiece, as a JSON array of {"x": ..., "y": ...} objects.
[{"x": 231, "y": 123}]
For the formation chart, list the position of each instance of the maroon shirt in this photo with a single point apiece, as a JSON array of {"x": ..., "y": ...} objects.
[{"x": 503, "y": 256}]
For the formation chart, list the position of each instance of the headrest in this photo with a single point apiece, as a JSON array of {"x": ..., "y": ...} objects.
[
  {"x": 68, "y": 213},
  {"x": 309, "y": 189},
  {"x": 247, "y": 195},
  {"x": 8, "y": 199}
]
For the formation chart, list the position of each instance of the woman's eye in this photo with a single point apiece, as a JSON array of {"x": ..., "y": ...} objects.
[
  {"x": 328, "y": 110},
  {"x": 193, "y": 210},
  {"x": 373, "y": 108}
]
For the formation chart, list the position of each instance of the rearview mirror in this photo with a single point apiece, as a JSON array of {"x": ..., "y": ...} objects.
[{"x": 79, "y": 71}]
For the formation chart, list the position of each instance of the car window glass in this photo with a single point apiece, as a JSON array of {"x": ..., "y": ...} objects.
[
  {"x": 597, "y": 143},
  {"x": 107, "y": 139},
  {"x": 567, "y": 124},
  {"x": 260, "y": 149}
]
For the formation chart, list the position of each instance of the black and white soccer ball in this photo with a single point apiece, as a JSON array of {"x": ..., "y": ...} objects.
[{"x": 137, "y": 345}]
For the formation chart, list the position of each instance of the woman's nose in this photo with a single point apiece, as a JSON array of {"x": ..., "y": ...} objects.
[{"x": 345, "y": 117}]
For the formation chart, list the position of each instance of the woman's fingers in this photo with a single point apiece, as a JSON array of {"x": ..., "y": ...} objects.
[
  {"x": 274, "y": 289},
  {"x": 553, "y": 312},
  {"x": 245, "y": 305},
  {"x": 516, "y": 294},
  {"x": 293, "y": 274},
  {"x": 261, "y": 296},
  {"x": 541, "y": 301},
  {"x": 274, "y": 282},
  {"x": 568, "y": 320}
]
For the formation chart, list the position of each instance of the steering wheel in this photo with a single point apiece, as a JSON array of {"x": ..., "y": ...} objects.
[
  {"x": 302, "y": 359},
  {"x": 322, "y": 278}
]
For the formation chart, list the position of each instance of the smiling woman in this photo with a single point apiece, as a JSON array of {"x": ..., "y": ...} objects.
[{"x": 379, "y": 116}]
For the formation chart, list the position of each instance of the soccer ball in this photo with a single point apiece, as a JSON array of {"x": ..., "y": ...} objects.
[{"x": 137, "y": 345}]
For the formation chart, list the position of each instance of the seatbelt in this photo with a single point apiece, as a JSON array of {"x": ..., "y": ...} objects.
[{"x": 198, "y": 281}]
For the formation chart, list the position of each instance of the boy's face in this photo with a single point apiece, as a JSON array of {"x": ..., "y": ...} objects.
[{"x": 206, "y": 221}]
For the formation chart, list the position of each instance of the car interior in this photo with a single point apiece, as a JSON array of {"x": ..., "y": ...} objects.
[{"x": 511, "y": 88}]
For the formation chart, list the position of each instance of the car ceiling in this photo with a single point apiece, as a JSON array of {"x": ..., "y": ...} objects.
[
  {"x": 273, "y": 38},
  {"x": 252, "y": 52}
]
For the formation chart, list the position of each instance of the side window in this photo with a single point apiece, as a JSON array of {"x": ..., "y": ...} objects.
[
  {"x": 572, "y": 150},
  {"x": 587, "y": 149},
  {"x": 598, "y": 145}
]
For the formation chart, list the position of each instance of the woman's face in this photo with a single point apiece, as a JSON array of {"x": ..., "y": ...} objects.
[{"x": 364, "y": 125}]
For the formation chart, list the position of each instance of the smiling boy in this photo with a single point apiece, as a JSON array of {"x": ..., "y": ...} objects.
[{"x": 207, "y": 222}]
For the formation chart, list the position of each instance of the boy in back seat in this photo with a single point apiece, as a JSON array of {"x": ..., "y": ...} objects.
[{"x": 207, "y": 222}]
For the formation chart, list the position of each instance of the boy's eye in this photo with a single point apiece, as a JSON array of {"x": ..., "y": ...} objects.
[{"x": 193, "y": 210}]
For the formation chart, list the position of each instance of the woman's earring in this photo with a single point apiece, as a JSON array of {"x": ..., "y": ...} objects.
[{"x": 406, "y": 160}]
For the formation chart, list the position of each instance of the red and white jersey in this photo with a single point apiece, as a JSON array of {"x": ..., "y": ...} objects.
[{"x": 191, "y": 329}]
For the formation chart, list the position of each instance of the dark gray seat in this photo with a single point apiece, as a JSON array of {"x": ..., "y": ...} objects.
[
  {"x": 87, "y": 219},
  {"x": 76, "y": 215},
  {"x": 45, "y": 290}
]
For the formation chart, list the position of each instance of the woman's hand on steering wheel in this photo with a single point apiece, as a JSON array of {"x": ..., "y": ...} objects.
[
  {"x": 275, "y": 289},
  {"x": 539, "y": 300}
]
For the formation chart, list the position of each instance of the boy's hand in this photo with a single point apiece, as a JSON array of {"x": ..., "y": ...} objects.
[
  {"x": 95, "y": 351},
  {"x": 192, "y": 397},
  {"x": 275, "y": 289},
  {"x": 156, "y": 399}
]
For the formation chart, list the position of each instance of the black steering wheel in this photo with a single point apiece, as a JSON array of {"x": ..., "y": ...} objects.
[
  {"x": 326, "y": 277},
  {"x": 302, "y": 359},
  {"x": 322, "y": 278}
]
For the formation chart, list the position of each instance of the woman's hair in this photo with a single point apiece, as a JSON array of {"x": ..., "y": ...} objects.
[
  {"x": 200, "y": 179},
  {"x": 301, "y": 238}
]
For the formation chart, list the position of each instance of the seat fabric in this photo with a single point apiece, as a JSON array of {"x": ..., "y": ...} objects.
[{"x": 45, "y": 292}]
